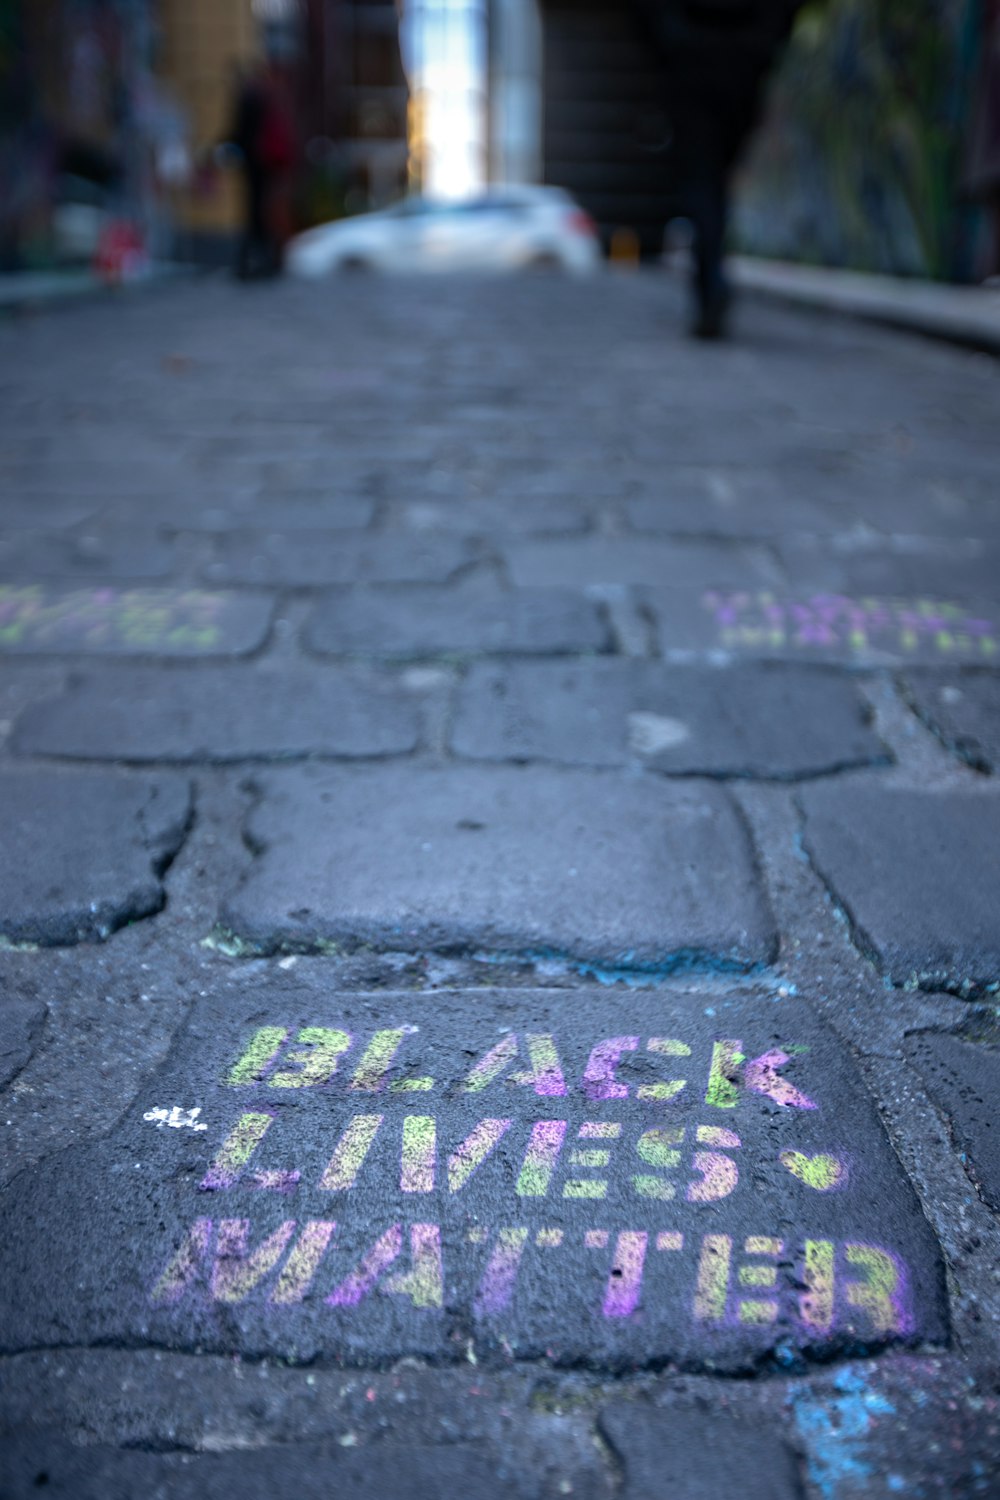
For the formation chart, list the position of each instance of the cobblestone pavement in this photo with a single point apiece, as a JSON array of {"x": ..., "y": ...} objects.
[{"x": 499, "y": 908}]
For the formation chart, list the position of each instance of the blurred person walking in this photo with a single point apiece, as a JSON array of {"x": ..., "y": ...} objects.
[
  {"x": 264, "y": 131},
  {"x": 718, "y": 54},
  {"x": 982, "y": 166}
]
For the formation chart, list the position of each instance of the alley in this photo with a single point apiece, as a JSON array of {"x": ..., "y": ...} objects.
[{"x": 498, "y": 922}]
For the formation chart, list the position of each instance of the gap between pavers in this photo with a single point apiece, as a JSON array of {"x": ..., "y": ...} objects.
[{"x": 963, "y": 1079}]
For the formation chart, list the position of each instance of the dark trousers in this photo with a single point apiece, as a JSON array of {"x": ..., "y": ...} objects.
[
  {"x": 711, "y": 125},
  {"x": 258, "y": 254}
]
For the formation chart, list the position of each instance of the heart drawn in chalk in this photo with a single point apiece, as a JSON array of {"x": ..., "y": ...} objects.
[{"x": 824, "y": 1173}]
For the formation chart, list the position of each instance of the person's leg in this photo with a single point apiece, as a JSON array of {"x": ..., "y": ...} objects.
[
  {"x": 244, "y": 252},
  {"x": 714, "y": 127},
  {"x": 254, "y": 250},
  {"x": 708, "y": 212},
  {"x": 702, "y": 182}
]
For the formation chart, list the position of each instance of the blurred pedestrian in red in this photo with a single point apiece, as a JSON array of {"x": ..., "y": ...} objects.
[{"x": 718, "y": 54}]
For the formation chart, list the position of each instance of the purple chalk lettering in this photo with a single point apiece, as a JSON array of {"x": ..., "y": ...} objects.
[
  {"x": 373, "y": 1264},
  {"x": 497, "y": 1286},
  {"x": 621, "y": 1295},
  {"x": 599, "y": 1076}
]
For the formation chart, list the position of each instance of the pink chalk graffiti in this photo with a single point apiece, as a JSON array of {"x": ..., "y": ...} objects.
[
  {"x": 621, "y": 1295},
  {"x": 497, "y": 1286},
  {"x": 762, "y": 1077},
  {"x": 599, "y": 1077}
]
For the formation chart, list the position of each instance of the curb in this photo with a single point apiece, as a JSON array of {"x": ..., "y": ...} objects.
[{"x": 966, "y": 316}]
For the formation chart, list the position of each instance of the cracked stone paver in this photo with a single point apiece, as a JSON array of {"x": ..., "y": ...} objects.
[
  {"x": 695, "y": 1455},
  {"x": 394, "y": 1174},
  {"x": 963, "y": 709},
  {"x": 83, "y": 850},
  {"x": 23, "y": 1019},
  {"x": 917, "y": 873},
  {"x": 310, "y": 558},
  {"x": 214, "y": 714},
  {"x": 601, "y": 868},
  {"x": 963, "y": 1079},
  {"x": 402, "y": 623},
  {"x": 748, "y": 721}
]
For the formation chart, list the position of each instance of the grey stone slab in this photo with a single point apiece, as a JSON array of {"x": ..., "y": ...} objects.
[
  {"x": 949, "y": 503},
  {"x": 631, "y": 560},
  {"x": 531, "y": 515},
  {"x": 64, "y": 476},
  {"x": 606, "y": 869},
  {"x": 309, "y": 558},
  {"x": 351, "y": 1177},
  {"x": 110, "y": 621},
  {"x": 963, "y": 1079},
  {"x": 21, "y": 510},
  {"x": 918, "y": 874},
  {"x": 539, "y": 475},
  {"x": 963, "y": 709},
  {"x": 219, "y": 508},
  {"x": 753, "y": 720},
  {"x": 98, "y": 554},
  {"x": 24, "y": 681},
  {"x": 84, "y": 850},
  {"x": 802, "y": 625},
  {"x": 309, "y": 510},
  {"x": 697, "y": 1455},
  {"x": 467, "y": 620},
  {"x": 704, "y": 431},
  {"x": 215, "y": 713},
  {"x": 34, "y": 1461},
  {"x": 734, "y": 500},
  {"x": 21, "y": 1022},
  {"x": 934, "y": 569},
  {"x": 741, "y": 502}
]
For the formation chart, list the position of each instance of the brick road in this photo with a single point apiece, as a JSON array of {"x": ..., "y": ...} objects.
[{"x": 498, "y": 918}]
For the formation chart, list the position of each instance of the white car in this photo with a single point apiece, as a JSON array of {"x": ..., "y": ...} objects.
[{"x": 503, "y": 229}]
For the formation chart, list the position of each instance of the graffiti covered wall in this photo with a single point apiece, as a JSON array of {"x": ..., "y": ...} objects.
[{"x": 864, "y": 160}]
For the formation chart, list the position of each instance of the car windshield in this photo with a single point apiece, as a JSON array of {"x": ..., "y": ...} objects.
[
  {"x": 493, "y": 203},
  {"x": 487, "y": 203},
  {"x": 411, "y": 208}
]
